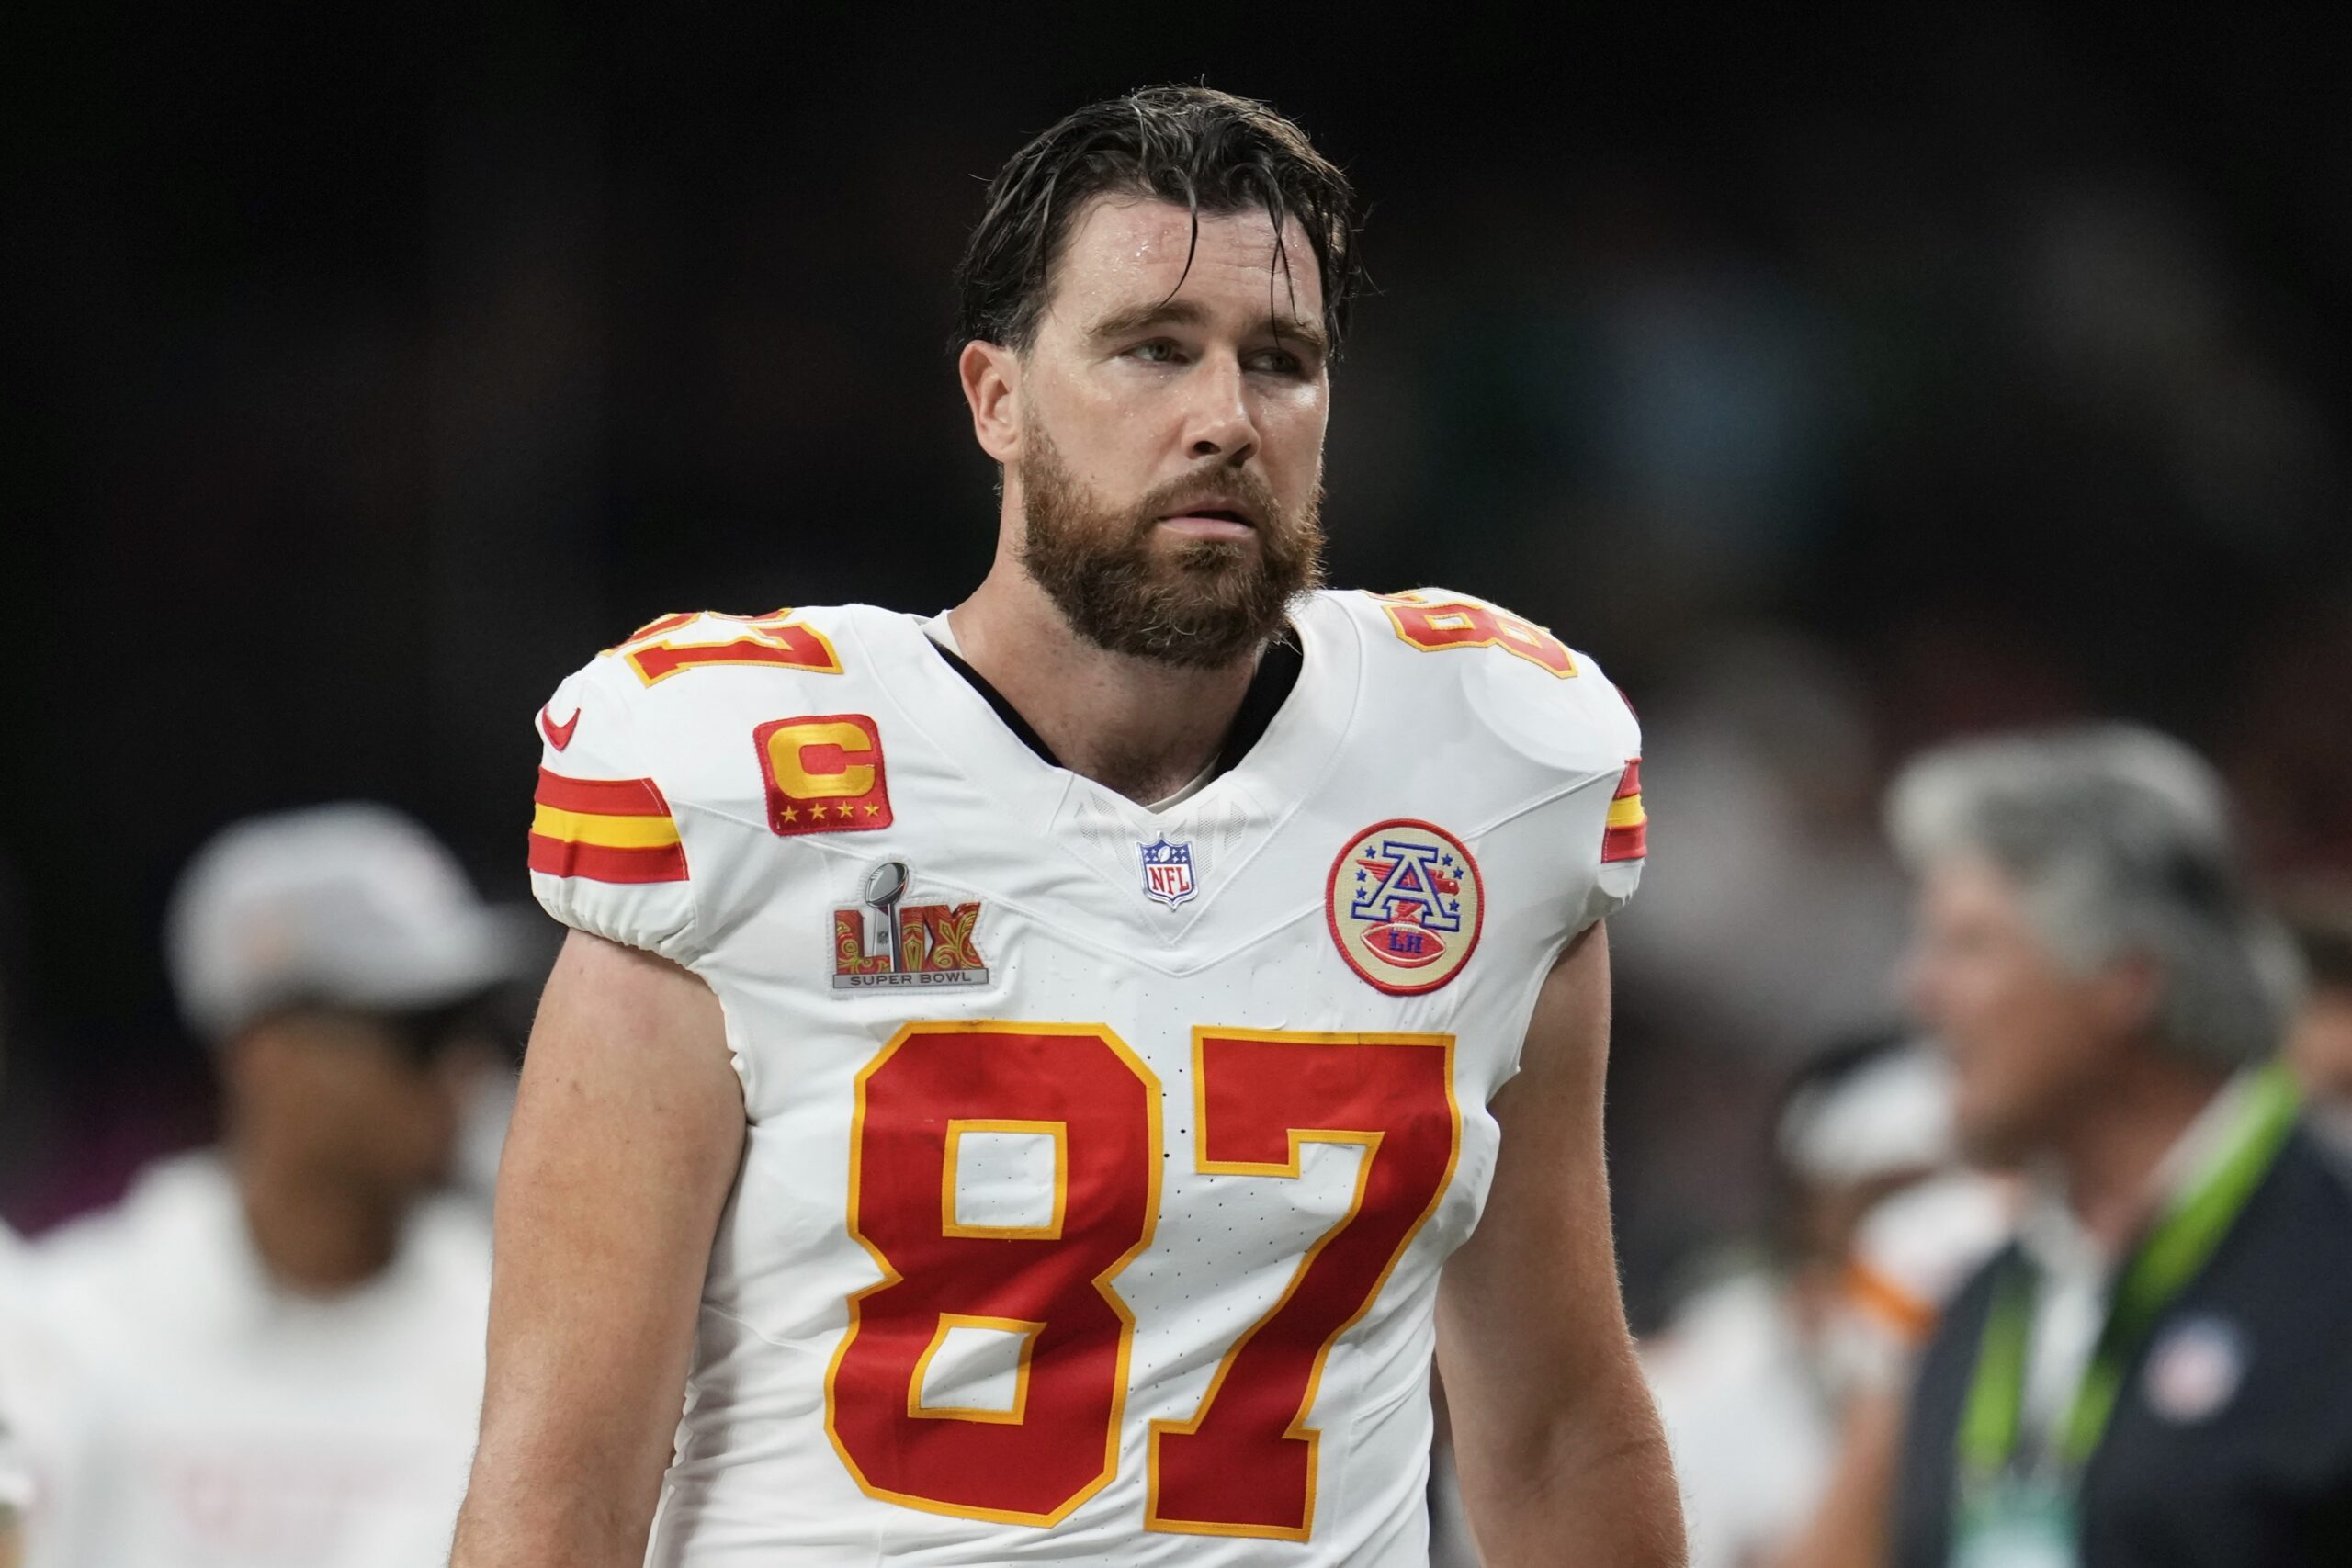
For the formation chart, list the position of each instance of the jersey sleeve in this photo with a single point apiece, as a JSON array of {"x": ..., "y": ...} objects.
[
  {"x": 606, "y": 853},
  {"x": 1910, "y": 1256},
  {"x": 1624, "y": 840},
  {"x": 1571, "y": 739}
]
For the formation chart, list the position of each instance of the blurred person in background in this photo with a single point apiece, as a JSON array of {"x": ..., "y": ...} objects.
[
  {"x": 1754, "y": 1374},
  {"x": 288, "y": 1329},
  {"x": 2319, "y": 1048},
  {"x": 2158, "y": 1369}
]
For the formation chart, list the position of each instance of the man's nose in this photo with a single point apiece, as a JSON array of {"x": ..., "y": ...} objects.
[{"x": 1218, "y": 421}]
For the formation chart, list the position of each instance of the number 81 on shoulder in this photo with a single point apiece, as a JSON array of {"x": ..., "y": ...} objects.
[{"x": 1244, "y": 1464}]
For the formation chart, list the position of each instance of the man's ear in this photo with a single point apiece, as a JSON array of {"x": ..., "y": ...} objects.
[{"x": 991, "y": 377}]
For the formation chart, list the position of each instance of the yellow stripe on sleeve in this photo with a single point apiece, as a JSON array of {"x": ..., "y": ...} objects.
[
  {"x": 1627, "y": 813},
  {"x": 607, "y": 832}
]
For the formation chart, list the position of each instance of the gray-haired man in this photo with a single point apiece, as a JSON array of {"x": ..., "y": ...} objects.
[{"x": 2160, "y": 1369}]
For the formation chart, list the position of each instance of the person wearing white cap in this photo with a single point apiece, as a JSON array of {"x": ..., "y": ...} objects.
[{"x": 289, "y": 1328}]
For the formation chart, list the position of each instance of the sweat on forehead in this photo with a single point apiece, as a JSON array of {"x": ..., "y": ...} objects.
[{"x": 1134, "y": 262}]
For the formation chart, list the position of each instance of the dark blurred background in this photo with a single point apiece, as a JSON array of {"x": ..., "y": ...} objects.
[{"x": 1840, "y": 386}]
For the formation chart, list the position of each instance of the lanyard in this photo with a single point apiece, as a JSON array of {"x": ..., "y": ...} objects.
[{"x": 2157, "y": 1272}]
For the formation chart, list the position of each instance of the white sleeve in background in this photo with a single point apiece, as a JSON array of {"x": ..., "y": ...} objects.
[{"x": 1910, "y": 1254}]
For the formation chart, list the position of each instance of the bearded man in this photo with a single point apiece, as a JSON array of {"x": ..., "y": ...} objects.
[{"x": 1038, "y": 1083}]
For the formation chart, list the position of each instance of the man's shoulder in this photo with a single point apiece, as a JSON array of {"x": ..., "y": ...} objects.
[
  {"x": 650, "y": 722},
  {"x": 2326, "y": 1139},
  {"x": 167, "y": 1233},
  {"x": 692, "y": 659},
  {"x": 695, "y": 727},
  {"x": 1440, "y": 654},
  {"x": 174, "y": 1195},
  {"x": 2301, "y": 1217}
]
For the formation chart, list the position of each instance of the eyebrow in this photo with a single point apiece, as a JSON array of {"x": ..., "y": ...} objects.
[{"x": 1186, "y": 313}]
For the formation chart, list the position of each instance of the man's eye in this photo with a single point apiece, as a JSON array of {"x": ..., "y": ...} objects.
[
  {"x": 1278, "y": 361},
  {"x": 1160, "y": 351}
]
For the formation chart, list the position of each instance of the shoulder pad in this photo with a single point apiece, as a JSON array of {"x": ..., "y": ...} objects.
[
  {"x": 676, "y": 644},
  {"x": 1532, "y": 691}
]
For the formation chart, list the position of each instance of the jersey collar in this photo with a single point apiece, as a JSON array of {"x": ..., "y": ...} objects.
[{"x": 1269, "y": 687}]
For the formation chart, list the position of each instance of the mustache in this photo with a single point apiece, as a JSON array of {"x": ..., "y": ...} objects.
[{"x": 1215, "y": 486}]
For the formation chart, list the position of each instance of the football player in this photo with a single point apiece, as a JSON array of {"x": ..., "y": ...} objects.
[
  {"x": 1039, "y": 1082},
  {"x": 283, "y": 1334}
]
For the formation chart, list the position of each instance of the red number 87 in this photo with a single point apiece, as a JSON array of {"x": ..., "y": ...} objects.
[{"x": 1244, "y": 1464}]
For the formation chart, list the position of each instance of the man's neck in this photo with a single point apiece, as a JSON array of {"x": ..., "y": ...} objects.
[
  {"x": 1135, "y": 725},
  {"x": 314, "y": 1238},
  {"x": 2111, "y": 1153}
]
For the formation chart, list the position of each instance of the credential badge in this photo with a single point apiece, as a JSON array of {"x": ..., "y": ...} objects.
[{"x": 1168, "y": 871}]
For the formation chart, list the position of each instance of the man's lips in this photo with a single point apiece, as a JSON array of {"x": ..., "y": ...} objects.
[
  {"x": 1213, "y": 525},
  {"x": 1212, "y": 517}
]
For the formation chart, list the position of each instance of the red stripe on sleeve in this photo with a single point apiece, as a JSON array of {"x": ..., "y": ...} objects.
[
  {"x": 597, "y": 863},
  {"x": 1626, "y": 844},
  {"x": 1630, "y": 783},
  {"x": 603, "y": 797}
]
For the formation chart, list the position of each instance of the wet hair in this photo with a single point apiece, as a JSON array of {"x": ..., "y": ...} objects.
[
  {"x": 1203, "y": 150},
  {"x": 2119, "y": 840}
]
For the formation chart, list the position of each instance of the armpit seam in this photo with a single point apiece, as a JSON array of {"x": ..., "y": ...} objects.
[{"x": 1546, "y": 798}]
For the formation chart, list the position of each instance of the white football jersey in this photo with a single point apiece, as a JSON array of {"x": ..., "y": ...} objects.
[
  {"x": 48, "y": 1422},
  {"x": 16, "y": 1488},
  {"x": 226, "y": 1423},
  {"x": 1101, "y": 1161}
]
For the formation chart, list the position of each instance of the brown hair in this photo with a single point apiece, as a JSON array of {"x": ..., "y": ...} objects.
[{"x": 1203, "y": 150}]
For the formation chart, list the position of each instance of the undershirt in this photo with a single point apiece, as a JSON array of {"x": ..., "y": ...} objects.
[
  {"x": 1277, "y": 673},
  {"x": 2076, "y": 1275}
]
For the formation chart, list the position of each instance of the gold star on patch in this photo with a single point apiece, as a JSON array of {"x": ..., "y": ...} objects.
[{"x": 789, "y": 814}]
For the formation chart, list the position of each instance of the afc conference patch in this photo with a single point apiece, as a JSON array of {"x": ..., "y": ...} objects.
[{"x": 1405, "y": 906}]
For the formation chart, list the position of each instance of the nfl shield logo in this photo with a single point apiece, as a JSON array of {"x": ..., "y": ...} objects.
[{"x": 1168, "y": 871}]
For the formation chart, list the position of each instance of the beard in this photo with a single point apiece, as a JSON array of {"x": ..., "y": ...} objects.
[{"x": 1201, "y": 605}]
